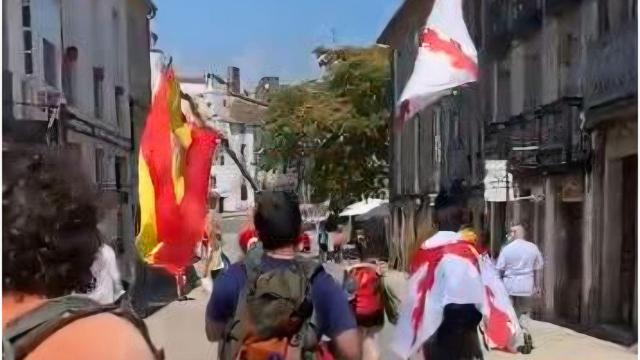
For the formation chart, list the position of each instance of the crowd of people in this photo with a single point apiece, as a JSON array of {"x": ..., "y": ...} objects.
[{"x": 61, "y": 283}]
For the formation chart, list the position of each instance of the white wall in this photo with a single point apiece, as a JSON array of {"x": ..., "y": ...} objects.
[
  {"x": 98, "y": 29},
  {"x": 45, "y": 24},
  {"x": 228, "y": 177}
]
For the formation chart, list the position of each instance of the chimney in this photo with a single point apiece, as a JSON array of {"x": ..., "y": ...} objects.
[
  {"x": 209, "y": 81},
  {"x": 233, "y": 79}
]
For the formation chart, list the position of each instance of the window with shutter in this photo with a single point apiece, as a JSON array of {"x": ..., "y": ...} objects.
[{"x": 49, "y": 63}]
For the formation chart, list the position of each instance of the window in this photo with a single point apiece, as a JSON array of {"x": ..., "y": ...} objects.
[
  {"x": 68, "y": 73},
  {"x": 121, "y": 172},
  {"x": 49, "y": 62},
  {"x": 115, "y": 26},
  {"x": 213, "y": 202},
  {"x": 221, "y": 205},
  {"x": 603, "y": 16},
  {"x": 119, "y": 93},
  {"x": 243, "y": 192},
  {"x": 221, "y": 159},
  {"x": 99, "y": 169},
  {"x": 27, "y": 38},
  {"x": 242, "y": 148},
  {"x": 98, "y": 92}
]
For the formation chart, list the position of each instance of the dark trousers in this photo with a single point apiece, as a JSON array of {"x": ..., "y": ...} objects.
[{"x": 457, "y": 336}]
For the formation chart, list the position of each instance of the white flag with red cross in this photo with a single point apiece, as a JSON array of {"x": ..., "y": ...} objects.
[
  {"x": 447, "y": 269},
  {"x": 446, "y": 59}
]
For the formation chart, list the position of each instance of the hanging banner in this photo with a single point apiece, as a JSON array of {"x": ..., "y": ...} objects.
[{"x": 498, "y": 183}]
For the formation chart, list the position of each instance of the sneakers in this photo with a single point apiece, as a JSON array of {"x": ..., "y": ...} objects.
[{"x": 528, "y": 344}]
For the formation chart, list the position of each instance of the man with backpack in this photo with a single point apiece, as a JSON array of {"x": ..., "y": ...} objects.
[{"x": 276, "y": 304}]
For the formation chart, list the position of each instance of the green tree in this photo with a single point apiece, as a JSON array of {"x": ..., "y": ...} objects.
[{"x": 335, "y": 128}]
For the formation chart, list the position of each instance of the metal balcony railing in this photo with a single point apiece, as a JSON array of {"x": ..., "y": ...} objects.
[
  {"x": 612, "y": 71},
  {"x": 510, "y": 19}
]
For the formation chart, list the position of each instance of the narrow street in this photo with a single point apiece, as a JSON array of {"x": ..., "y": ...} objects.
[
  {"x": 431, "y": 134},
  {"x": 179, "y": 327}
]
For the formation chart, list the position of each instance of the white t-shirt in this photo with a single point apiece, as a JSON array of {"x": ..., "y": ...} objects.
[
  {"x": 519, "y": 259},
  {"x": 105, "y": 270}
]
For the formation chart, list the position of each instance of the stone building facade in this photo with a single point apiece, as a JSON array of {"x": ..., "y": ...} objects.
[
  {"x": 435, "y": 148},
  {"x": 557, "y": 100}
]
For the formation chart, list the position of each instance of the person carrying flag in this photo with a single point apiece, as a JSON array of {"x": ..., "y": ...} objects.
[
  {"x": 456, "y": 293},
  {"x": 452, "y": 293}
]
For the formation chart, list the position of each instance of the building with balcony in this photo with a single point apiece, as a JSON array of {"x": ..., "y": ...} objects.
[
  {"x": 560, "y": 85},
  {"x": 556, "y": 101}
]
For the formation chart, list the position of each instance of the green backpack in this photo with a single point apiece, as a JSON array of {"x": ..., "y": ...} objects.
[
  {"x": 23, "y": 335},
  {"x": 274, "y": 315}
]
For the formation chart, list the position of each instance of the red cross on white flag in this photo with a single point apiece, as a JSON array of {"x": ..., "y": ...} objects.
[{"x": 446, "y": 58}]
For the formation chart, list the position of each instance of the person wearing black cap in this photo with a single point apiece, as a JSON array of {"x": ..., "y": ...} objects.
[{"x": 444, "y": 307}]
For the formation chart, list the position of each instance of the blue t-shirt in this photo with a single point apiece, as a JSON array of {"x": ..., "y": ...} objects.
[{"x": 333, "y": 314}]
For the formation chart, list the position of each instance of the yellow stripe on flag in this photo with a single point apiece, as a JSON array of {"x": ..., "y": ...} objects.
[
  {"x": 147, "y": 239},
  {"x": 180, "y": 138}
]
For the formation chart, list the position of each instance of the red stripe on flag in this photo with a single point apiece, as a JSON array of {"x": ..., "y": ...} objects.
[
  {"x": 179, "y": 226},
  {"x": 451, "y": 49},
  {"x": 498, "y": 329},
  {"x": 432, "y": 257}
]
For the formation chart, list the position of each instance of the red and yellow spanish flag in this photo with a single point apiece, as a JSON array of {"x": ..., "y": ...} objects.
[{"x": 173, "y": 169}]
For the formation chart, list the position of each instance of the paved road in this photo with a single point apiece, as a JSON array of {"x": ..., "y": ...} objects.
[{"x": 179, "y": 327}]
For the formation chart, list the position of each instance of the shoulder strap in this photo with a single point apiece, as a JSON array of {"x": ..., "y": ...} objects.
[
  {"x": 52, "y": 309},
  {"x": 252, "y": 263},
  {"x": 27, "y": 332},
  {"x": 310, "y": 268},
  {"x": 142, "y": 327}
]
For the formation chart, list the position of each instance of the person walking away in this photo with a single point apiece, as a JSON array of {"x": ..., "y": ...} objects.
[
  {"x": 304, "y": 242},
  {"x": 50, "y": 239},
  {"x": 338, "y": 240},
  {"x": 520, "y": 264},
  {"x": 276, "y": 304},
  {"x": 441, "y": 315},
  {"x": 360, "y": 243},
  {"x": 369, "y": 299},
  {"x": 323, "y": 243},
  {"x": 107, "y": 285},
  {"x": 247, "y": 237},
  {"x": 216, "y": 260}
]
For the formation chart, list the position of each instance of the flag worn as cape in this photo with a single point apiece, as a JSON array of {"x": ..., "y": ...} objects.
[
  {"x": 173, "y": 169},
  {"x": 446, "y": 58},
  {"x": 447, "y": 269}
]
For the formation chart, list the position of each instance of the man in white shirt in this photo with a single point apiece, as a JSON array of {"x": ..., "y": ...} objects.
[{"x": 520, "y": 263}]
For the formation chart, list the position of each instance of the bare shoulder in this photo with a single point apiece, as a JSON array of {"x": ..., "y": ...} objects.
[{"x": 103, "y": 336}]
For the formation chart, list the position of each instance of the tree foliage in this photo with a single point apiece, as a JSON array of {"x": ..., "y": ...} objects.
[{"x": 336, "y": 127}]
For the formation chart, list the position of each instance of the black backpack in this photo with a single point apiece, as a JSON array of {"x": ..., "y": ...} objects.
[{"x": 25, "y": 333}]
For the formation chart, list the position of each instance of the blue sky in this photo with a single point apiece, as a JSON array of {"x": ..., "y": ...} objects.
[{"x": 263, "y": 37}]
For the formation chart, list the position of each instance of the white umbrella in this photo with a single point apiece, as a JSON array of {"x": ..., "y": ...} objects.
[{"x": 362, "y": 207}]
